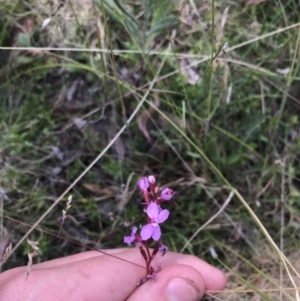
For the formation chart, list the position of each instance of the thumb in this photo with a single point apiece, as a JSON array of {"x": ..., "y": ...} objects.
[{"x": 173, "y": 283}]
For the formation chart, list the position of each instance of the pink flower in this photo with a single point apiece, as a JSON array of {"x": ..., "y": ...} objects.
[
  {"x": 143, "y": 183},
  {"x": 167, "y": 194},
  {"x": 157, "y": 217},
  {"x": 129, "y": 239}
]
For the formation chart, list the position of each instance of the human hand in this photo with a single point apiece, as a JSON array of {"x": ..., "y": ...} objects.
[{"x": 96, "y": 276}]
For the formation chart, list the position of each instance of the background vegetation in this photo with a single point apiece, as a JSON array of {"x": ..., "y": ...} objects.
[{"x": 154, "y": 88}]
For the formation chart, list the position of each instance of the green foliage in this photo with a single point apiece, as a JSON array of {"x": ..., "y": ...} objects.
[
  {"x": 238, "y": 129},
  {"x": 121, "y": 15},
  {"x": 158, "y": 19},
  {"x": 23, "y": 40}
]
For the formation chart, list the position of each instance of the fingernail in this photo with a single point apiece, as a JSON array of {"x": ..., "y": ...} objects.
[{"x": 180, "y": 289}]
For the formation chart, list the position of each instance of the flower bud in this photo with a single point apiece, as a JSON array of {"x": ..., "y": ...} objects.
[
  {"x": 143, "y": 183},
  {"x": 152, "y": 179},
  {"x": 163, "y": 249},
  {"x": 167, "y": 194}
]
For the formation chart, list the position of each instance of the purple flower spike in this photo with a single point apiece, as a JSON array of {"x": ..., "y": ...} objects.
[
  {"x": 167, "y": 194},
  {"x": 143, "y": 183},
  {"x": 157, "y": 217},
  {"x": 129, "y": 239}
]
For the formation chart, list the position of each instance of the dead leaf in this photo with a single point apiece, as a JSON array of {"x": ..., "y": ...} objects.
[
  {"x": 228, "y": 95},
  {"x": 27, "y": 25},
  {"x": 95, "y": 188},
  {"x": 285, "y": 71},
  {"x": 255, "y": 2},
  {"x": 33, "y": 244},
  {"x": 29, "y": 264},
  {"x": 46, "y": 22},
  {"x": 3, "y": 195},
  {"x": 4, "y": 247},
  {"x": 80, "y": 123},
  {"x": 190, "y": 72},
  {"x": 119, "y": 147},
  {"x": 69, "y": 202},
  {"x": 143, "y": 120}
]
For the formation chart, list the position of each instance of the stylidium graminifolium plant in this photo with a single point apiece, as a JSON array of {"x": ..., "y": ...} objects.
[{"x": 156, "y": 215}]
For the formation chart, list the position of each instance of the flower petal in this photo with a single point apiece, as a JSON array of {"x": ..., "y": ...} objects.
[
  {"x": 152, "y": 211},
  {"x": 147, "y": 231},
  {"x": 156, "y": 233},
  {"x": 163, "y": 215},
  {"x": 134, "y": 229},
  {"x": 128, "y": 239}
]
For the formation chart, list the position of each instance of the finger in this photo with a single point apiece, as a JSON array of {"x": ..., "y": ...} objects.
[
  {"x": 98, "y": 277},
  {"x": 214, "y": 279},
  {"x": 169, "y": 259},
  {"x": 64, "y": 260},
  {"x": 174, "y": 283},
  {"x": 95, "y": 278},
  {"x": 78, "y": 257}
]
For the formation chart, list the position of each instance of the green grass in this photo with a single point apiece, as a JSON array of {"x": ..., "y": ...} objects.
[{"x": 99, "y": 98}]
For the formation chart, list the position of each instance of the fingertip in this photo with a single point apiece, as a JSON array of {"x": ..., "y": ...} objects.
[
  {"x": 217, "y": 281},
  {"x": 214, "y": 279},
  {"x": 173, "y": 283}
]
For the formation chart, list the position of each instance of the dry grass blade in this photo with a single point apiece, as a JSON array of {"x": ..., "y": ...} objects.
[
  {"x": 5, "y": 247},
  {"x": 34, "y": 245}
]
